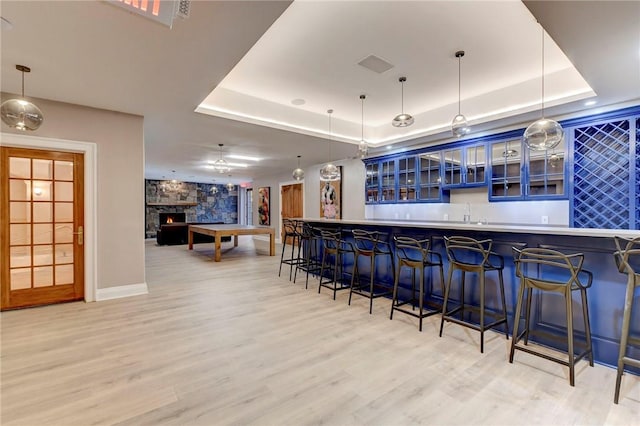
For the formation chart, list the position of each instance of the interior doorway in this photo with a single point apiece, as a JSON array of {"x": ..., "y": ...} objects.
[
  {"x": 292, "y": 204},
  {"x": 43, "y": 232}
]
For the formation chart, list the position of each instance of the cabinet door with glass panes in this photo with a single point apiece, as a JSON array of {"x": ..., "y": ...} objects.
[
  {"x": 475, "y": 162},
  {"x": 506, "y": 170},
  {"x": 546, "y": 173},
  {"x": 407, "y": 179},
  {"x": 388, "y": 178},
  {"x": 430, "y": 177},
  {"x": 452, "y": 167},
  {"x": 372, "y": 183}
]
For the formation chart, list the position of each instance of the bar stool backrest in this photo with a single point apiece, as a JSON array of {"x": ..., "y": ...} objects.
[
  {"x": 468, "y": 251},
  {"x": 549, "y": 269},
  {"x": 627, "y": 255},
  {"x": 332, "y": 241},
  {"x": 412, "y": 249},
  {"x": 370, "y": 241},
  {"x": 289, "y": 226}
]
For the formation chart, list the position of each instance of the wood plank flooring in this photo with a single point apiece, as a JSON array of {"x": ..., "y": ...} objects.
[{"x": 231, "y": 343}]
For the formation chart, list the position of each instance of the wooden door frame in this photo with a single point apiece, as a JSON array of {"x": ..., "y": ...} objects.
[
  {"x": 89, "y": 150},
  {"x": 304, "y": 212}
]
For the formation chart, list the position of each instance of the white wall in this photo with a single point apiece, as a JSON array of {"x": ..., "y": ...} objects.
[{"x": 120, "y": 180}]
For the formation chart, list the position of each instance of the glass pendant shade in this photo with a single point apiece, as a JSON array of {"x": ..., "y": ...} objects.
[
  {"x": 298, "y": 173},
  {"x": 220, "y": 164},
  {"x": 230, "y": 186},
  {"x": 19, "y": 113},
  {"x": 543, "y": 134},
  {"x": 459, "y": 126},
  {"x": 329, "y": 172},
  {"x": 402, "y": 119}
]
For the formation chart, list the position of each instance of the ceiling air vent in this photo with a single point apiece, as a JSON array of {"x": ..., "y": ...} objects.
[
  {"x": 184, "y": 7},
  {"x": 375, "y": 64}
]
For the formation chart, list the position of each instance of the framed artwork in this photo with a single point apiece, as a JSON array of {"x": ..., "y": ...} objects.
[
  {"x": 331, "y": 198},
  {"x": 264, "y": 210}
]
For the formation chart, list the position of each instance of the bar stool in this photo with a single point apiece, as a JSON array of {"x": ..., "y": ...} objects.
[
  {"x": 289, "y": 227},
  {"x": 628, "y": 260},
  {"x": 371, "y": 245},
  {"x": 416, "y": 255},
  {"x": 334, "y": 251},
  {"x": 551, "y": 271},
  {"x": 308, "y": 244},
  {"x": 469, "y": 255}
]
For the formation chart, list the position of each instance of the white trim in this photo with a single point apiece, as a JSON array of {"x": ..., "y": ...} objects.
[
  {"x": 90, "y": 151},
  {"x": 120, "y": 291}
]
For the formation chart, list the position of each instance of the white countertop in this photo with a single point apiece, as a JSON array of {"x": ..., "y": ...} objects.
[{"x": 525, "y": 229}]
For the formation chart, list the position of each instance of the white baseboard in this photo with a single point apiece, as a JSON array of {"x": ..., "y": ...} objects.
[
  {"x": 121, "y": 291},
  {"x": 264, "y": 238}
]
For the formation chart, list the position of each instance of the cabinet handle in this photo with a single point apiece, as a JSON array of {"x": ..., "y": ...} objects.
[{"x": 80, "y": 235}]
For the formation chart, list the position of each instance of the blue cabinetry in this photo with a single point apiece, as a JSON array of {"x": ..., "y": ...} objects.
[{"x": 465, "y": 166}]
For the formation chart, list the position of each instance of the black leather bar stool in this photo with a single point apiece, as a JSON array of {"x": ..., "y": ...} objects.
[
  {"x": 549, "y": 270},
  {"x": 474, "y": 256},
  {"x": 628, "y": 260},
  {"x": 309, "y": 242},
  {"x": 289, "y": 226},
  {"x": 371, "y": 245},
  {"x": 416, "y": 255},
  {"x": 333, "y": 256}
]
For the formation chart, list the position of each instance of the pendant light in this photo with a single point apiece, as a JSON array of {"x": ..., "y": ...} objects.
[
  {"x": 402, "y": 120},
  {"x": 220, "y": 164},
  {"x": 298, "y": 173},
  {"x": 230, "y": 185},
  {"x": 363, "y": 147},
  {"x": 544, "y": 133},
  {"x": 459, "y": 125},
  {"x": 214, "y": 188},
  {"x": 19, "y": 113},
  {"x": 329, "y": 172}
]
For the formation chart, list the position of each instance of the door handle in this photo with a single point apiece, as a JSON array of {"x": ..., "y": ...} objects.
[{"x": 80, "y": 235}]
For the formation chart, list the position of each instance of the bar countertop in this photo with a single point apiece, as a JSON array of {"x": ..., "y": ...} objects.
[{"x": 490, "y": 227}]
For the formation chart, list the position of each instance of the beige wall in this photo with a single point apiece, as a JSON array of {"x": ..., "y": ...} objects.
[{"x": 120, "y": 181}]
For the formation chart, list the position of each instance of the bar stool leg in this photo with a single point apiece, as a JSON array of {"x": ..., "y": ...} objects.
[
  {"x": 394, "y": 298},
  {"x": 482, "y": 293},
  {"x": 421, "y": 303},
  {"x": 624, "y": 337},
  {"x": 504, "y": 305},
  {"x": 446, "y": 299},
  {"x": 371, "y": 274},
  {"x": 353, "y": 277},
  {"x": 568, "y": 300},
  {"x": 516, "y": 322},
  {"x": 337, "y": 272},
  {"x": 528, "y": 314}
]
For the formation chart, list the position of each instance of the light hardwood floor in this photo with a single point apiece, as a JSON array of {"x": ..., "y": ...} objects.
[{"x": 231, "y": 343}]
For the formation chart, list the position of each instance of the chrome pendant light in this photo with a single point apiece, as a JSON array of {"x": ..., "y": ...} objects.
[
  {"x": 363, "y": 146},
  {"x": 459, "y": 125},
  {"x": 544, "y": 133},
  {"x": 19, "y": 113},
  {"x": 220, "y": 164},
  {"x": 230, "y": 185},
  {"x": 298, "y": 173},
  {"x": 329, "y": 172},
  {"x": 402, "y": 120}
]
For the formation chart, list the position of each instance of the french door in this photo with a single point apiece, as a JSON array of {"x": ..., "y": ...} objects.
[{"x": 41, "y": 227}]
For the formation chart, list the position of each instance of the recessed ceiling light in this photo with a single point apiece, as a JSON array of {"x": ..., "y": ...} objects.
[
  {"x": 589, "y": 103},
  {"x": 243, "y": 157},
  {"x": 298, "y": 102},
  {"x": 389, "y": 146}
]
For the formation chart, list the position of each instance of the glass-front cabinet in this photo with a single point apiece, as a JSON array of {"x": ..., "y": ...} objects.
[
  {"x": 407, "y": 179},
  {"x": 546, "y": 172},
  {"x": 506, "y": 170},
  {"x": 430, "y": 177},
  {"x": 388, "y": 178},
  {"x": 372, "y": 183},
  {"x": 465, "y": 166}
]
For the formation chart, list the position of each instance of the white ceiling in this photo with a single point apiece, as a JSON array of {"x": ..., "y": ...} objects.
[{"x": 95, "y": 54}]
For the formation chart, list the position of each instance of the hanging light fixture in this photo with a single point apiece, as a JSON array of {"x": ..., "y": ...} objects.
[
  {"x": 19, "y": 113},
  {"x": 363, "y": 147},
  {"x": 329, "y": 171},
  {"x": 298, "y": 173},
  {"x": 214, "y": 188},
  {"x": 171, "y": 186},
  {"x": 544, "y": 133},
  {"x": 459, "y": 125},
  {"x": 220, "y": 164},
  {"x": 402, "y": 120},
  {"x": 230, "y": 185}
]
